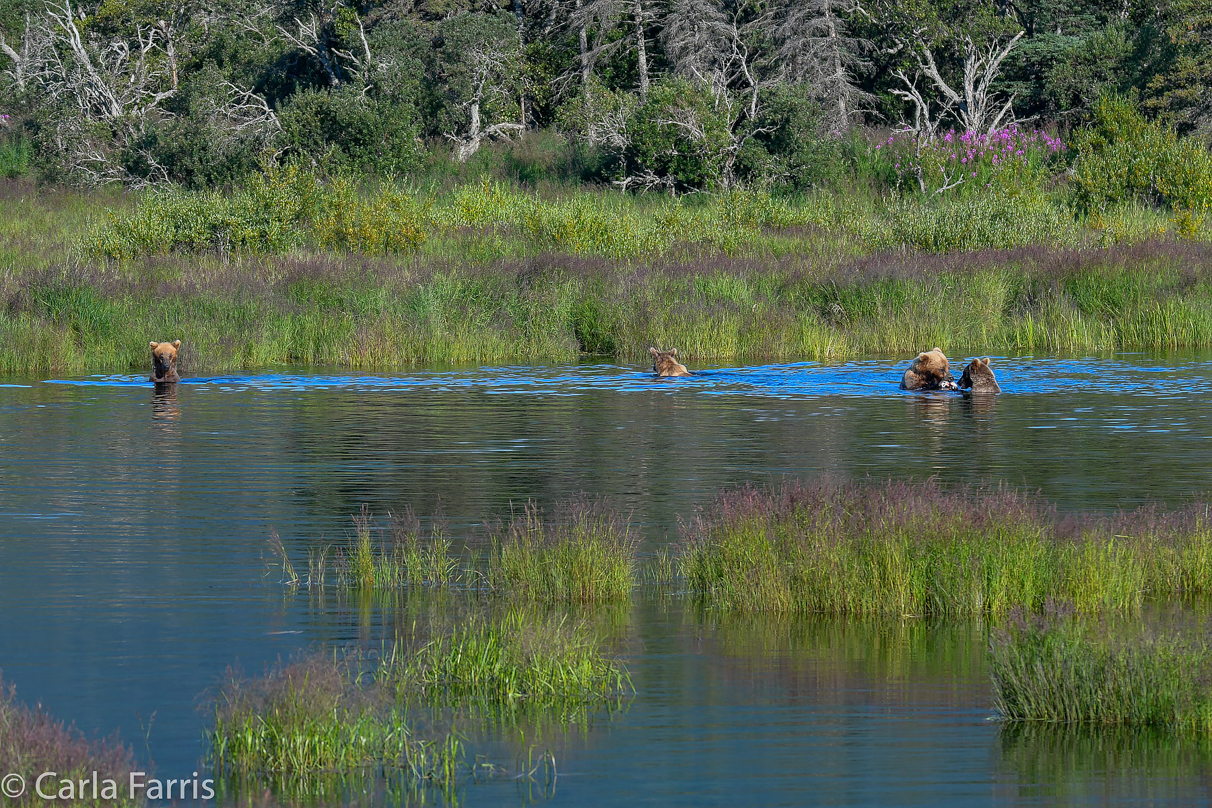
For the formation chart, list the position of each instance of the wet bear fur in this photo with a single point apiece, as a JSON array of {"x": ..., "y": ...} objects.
[
  {"x": 665, "y": 363},
  {"x": 978, "y": 377},
  {"x": 929, "y": 371},
  {"x": 164, "y": 362}
]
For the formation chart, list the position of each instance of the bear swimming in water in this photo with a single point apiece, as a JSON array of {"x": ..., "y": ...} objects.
[
  {"x": 164, "y": 362},
  {"x": 929, "y": 371},
  {"x": 665, "y": 363},
  {"x": 978, "y": 377}
]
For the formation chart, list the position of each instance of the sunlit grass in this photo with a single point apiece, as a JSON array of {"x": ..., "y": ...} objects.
[
  {"x": 1054, "y": 668},
  {"x": 516, "y": 660},
  {"x": 917, "y": 549},
  {"x": 503, "y": 275},
  {"x": 584, "y": 553}
]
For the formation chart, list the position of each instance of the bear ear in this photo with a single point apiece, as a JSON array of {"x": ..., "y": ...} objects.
[
  {"x": 923, "y": 356},
  {"x": 985, "y": 361},
  {"x": 154, "y": 345},
  {"x": 176, "y": 343},
  {"x": 936, "y": 350},
  {"x": 652, "y": 350},
  {"x": 673, "y": 351}
]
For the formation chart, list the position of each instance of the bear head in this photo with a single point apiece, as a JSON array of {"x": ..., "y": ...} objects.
[
  {"x": 665, "y": 363},
  {"x": 164, "y": 361},
  {"x": 978, "y": 377}
]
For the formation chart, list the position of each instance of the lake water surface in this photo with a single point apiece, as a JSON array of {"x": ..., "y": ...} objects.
[{"x": 133, "y": 533}]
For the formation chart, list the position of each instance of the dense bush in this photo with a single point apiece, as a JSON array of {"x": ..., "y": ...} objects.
[
  {"x": 679, "y": 139},
  {"x": 346, "y": 130},
  {"x": 1122, "y": 158}
]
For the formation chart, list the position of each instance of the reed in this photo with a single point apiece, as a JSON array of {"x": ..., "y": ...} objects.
[
  {"x": 1054, "y": 668},
  {"x": 516, "y": 660},
  {"x": 314, "y": 715},
  {"x": 585, "y": 553},
  {"x": 397, "y": 557},
  {"x": 902, "y": 548},
  {"x": 33, "y": 742}
]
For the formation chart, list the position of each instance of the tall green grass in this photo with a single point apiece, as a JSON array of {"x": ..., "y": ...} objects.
[
  {"x": 585, "y": 553},
  {"x": 505, "y": 276},
  {"x": 917, "y": 549},
  {"x": 397, "y": 557},
  {"x": 314, "y": 715},
  {"x": 1054, "y": 668},
  {"x": 515, "y": 660}
]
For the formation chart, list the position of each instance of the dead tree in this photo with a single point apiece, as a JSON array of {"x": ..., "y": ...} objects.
[
  {"x": 977, "y": 108},
  {"x": 816, "y": 49}
]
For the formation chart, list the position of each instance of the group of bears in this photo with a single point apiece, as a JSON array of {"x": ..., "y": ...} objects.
[{"x": 929, "y": 371}]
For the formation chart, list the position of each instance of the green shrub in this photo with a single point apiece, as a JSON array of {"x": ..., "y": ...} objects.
[
  {"x": 688, "y": 155},
  {"x": 280, "y": 209},
  {"x": 15, "y": 158},
  {"x": 1123, "y": 158},
  {"x": 347, "y": 130}
]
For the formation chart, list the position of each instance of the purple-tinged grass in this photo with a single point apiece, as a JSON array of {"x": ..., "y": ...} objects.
[
  {"x": 33, "y": 742},
  {"x": 909, "y": 548}
]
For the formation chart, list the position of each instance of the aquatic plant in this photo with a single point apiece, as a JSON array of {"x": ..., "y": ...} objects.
[
  {"x": 1052, "y": 667},
  {"x": 515, "y": 660},
  {"x": 33, "y": 742},
  {"x": 909, "y": 548},
  {"x": 396, "y": 557},
  {"x": 584, "y": 553},
  {"x": 314, "y": 715}
]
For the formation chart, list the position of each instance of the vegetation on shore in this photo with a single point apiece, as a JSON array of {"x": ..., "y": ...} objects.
[
  {"x": 1053, "y": 668},
  {"x": 807, "y": 293},
  {"x": 904, "y": 548}
]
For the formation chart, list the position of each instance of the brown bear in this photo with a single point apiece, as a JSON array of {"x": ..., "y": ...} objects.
[
  {"x": 164, "y": 362},
  {"x": 665, "y": 363},
  {"x": 979, "y": 377},
  {"x": 929, "y": 371}
]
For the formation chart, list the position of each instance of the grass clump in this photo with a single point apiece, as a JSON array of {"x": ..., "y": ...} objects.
[
  {"x": 397, "y": 557},
  {"x": 314, "y": 715},
  {"x": 584, "y": 554},
  {"x": 283, "y": 208},
  {"x": 918, "y": 549},
  {"x": 1054, "y": 668},
  {"x": 515, "y": 660},
  {"x": 33, "y": 742}
]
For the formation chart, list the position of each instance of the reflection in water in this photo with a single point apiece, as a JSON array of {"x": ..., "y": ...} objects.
[
  {"x": 164, "y": 403},
  {"x": 117, "y": 604},
  {"x": 1079, "y": 765}
]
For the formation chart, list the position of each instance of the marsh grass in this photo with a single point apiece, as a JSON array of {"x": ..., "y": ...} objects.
[
  {"x": 518, "y": 660},
  {"x": 315, "y": 715},
  {"x": 584, "y": 553},
  {"x": 33, "y": 742},
  {"x": 909, "y": 548},
  {"x": 1054, "y": 668},
  {"x": 478, "y": 293},
  {"x": 397, "y": 557}
]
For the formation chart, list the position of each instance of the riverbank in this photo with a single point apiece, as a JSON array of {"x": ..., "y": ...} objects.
[{"x": 488, "y": 290}]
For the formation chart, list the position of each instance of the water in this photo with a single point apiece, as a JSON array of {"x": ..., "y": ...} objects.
[{"x": 133, "y": 534}]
